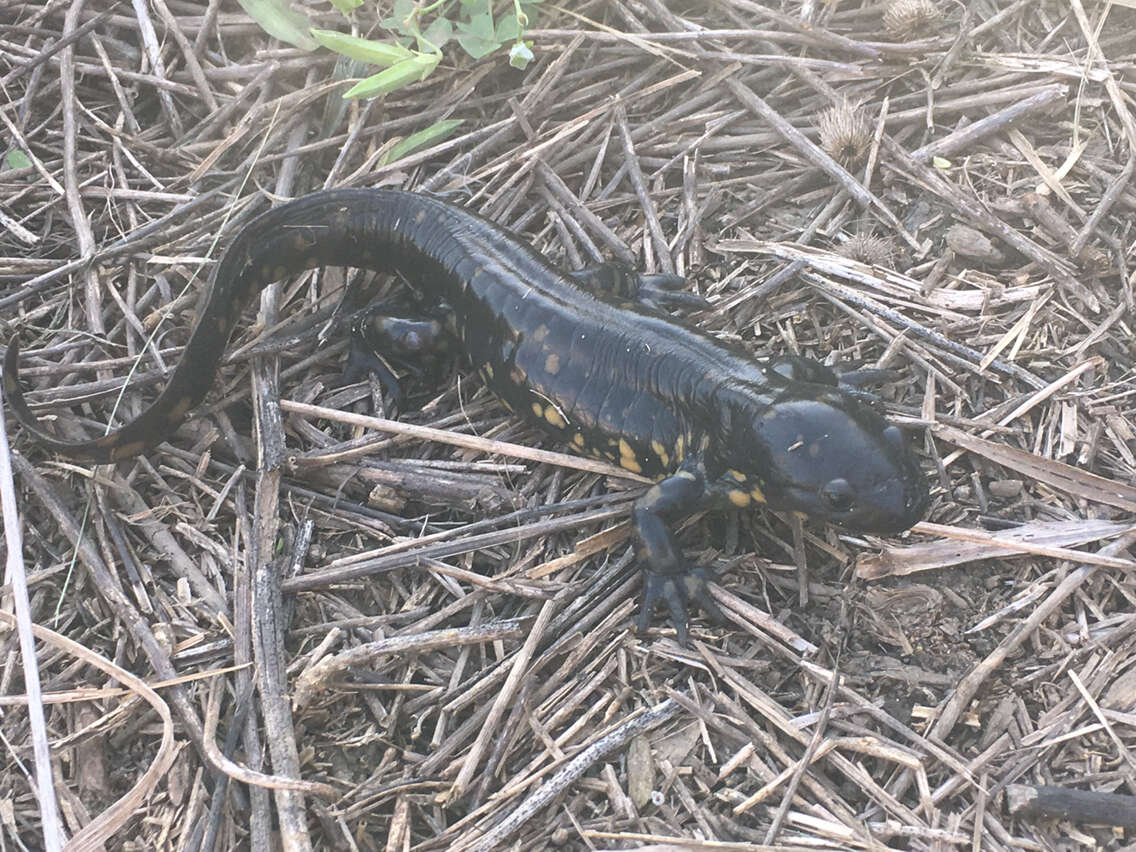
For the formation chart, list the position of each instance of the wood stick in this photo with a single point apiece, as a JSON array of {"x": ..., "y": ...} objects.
[{"x": 966, "y": 137}]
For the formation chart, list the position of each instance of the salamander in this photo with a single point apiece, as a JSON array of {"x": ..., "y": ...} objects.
[{"x": 592, "y": 358}]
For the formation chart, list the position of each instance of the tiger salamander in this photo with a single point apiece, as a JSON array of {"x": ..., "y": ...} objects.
[{"x": 588, "y": 357}]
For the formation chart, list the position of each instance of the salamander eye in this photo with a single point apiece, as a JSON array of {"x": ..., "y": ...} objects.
[{"x": 837, "y": 496}]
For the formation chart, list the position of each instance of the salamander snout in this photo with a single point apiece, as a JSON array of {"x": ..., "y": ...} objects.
[
  {"x": 891, "y": 506},
  {"x": 836, "y": 459}
]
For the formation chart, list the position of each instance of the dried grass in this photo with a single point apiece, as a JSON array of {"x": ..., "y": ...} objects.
[{"x": 488, "y": 689}]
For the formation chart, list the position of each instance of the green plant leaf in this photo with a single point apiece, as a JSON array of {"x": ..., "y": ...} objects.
[
  {"x": 477, "y": 36},
  {"x": 436, "y": 132},
  {"x": 508, "y": 28},
  {"x": 440, "y": 31},
  {"x": 17, "y": 159},
  {"x": 403, "y": 73},
  {"x": 367, "y": 50},
  {"x": 281, "y": 21},
  {"x": 401, "y": 13},
  {"x": 346, "y": 6}
]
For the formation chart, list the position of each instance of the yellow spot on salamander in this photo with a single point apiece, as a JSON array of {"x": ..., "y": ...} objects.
[
  {"x": 488, "y": 368},
  {"x": 125, "y": 451},
  {"x": 627, "y": 459},
  {"x": 738, "y": 498},
  {"x": 179, "y": 409},
  {"x": 554, "y": 417},
  {"x": 736, "y": 475},
  {"x": 661, "y": 451},
  {"x": 680, "y": 448},
  {"x": 552, "y": 364},
  {"x": 578, "y": 440},
  {"x": 757, "y": 494},
  {"x": 538, "y": 409}
]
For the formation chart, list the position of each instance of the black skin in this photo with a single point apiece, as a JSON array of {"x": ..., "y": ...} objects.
[{"x": 590, "y": 357}]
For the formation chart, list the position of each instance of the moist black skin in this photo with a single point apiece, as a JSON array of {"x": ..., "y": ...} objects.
[{"x": 589, "y": 357}]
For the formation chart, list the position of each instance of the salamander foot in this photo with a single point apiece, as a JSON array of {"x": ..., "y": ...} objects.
[
  {"x": 363, "y": 362},
  {"x": 677, "y": 591}
]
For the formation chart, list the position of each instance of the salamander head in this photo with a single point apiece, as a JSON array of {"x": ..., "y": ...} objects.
[{"x": 823, "y": 452}]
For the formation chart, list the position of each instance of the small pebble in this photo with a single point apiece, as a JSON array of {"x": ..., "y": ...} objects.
[{"x": 1005, "y": 489}]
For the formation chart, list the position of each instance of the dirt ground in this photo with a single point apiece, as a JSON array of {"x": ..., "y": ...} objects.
[{"x": 322, "y": 635}]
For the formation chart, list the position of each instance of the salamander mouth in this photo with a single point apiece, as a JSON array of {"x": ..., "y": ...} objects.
[{"x": 892, "y": 507}]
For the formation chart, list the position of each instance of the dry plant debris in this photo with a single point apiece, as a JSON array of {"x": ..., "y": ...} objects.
[{"x": 459, "y": 619}]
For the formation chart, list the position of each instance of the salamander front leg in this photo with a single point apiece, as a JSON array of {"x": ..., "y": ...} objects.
[
  {"x": 659, "y": 290},
  {"x": 667, "y": 576},
  {"x": 798, "y": 368},
  {"x": 403, "y": 338}
]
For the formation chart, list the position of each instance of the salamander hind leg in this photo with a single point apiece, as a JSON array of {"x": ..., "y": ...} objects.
[{"x": 667, "y": 576}]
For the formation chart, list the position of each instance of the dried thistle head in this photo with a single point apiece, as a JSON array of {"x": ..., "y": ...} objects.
[
  {"x": 908, "y": 19},
  {"x": 844, "y": 132},
  {"x": 876, "y": 251}
]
